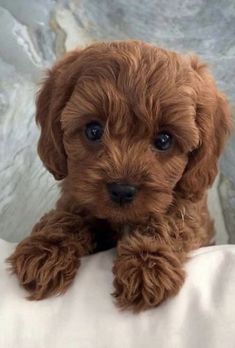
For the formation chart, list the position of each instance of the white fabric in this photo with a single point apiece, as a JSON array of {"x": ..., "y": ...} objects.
[{"x": 201, "y": 316}]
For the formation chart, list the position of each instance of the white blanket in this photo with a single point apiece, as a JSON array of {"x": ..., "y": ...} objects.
[{"x": 201, "y": 316}]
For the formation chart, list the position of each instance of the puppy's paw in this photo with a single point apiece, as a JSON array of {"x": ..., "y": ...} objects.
[
  {"x": 143, "y": 280},
  {"x": 45, "y": 266}
]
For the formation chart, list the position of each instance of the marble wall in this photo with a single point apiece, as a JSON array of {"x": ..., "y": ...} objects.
[{"x": 34, "y": 33}]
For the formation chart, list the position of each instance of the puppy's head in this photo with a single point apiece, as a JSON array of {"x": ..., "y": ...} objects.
[{"x": 131, "y": 127}]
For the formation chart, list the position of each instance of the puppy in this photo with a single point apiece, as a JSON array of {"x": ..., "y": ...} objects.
[{"x": 134, "y": 132}]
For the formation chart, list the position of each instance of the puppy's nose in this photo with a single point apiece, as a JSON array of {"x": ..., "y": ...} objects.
[{"x": 121, "y": 193}]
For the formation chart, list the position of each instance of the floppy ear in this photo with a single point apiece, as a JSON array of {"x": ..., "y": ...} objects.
[
  {"x": 213, "y": 120},
  {"x": 55, "y": 92}
]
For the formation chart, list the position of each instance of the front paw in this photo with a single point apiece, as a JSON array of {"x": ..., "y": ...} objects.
[
  {"x": 45, "y": 266},
  {"x": 143, "y": 280}
]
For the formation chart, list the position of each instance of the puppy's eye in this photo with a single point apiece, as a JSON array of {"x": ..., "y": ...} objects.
[
  {"x": 163, "y": 141},
  {"x": 94, "y": 131}
]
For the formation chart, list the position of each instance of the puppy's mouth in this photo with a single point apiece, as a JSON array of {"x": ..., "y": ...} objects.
[{"x": 117, "y": 213}]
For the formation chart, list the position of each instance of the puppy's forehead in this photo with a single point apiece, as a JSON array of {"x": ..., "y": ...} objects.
[
  {"x": 140, "y": 77},
  {"x": 131, "y": 67}
]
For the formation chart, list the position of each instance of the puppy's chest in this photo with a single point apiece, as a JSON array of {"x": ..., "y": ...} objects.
[{"x": 107, "y": 235}]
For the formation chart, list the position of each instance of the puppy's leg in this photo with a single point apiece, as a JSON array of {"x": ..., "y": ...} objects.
[
  {"x": 149, "y": 266},
  {"x": 46, "y": 262},
  {"x": 146, "y": 272},
  {"x": 150, "y": 262}
]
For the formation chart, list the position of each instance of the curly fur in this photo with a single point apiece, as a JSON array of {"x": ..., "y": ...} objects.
[{"x": 135, "y": 90}]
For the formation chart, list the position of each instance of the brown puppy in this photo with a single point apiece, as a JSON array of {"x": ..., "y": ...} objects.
[{"x": 134, "y": 132}]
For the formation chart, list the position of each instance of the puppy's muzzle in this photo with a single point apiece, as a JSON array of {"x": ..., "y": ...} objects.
[{"x": 121, "y": 193}]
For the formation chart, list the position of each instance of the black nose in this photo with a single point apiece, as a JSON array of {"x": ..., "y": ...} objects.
[{"x": 121, "y": 193}]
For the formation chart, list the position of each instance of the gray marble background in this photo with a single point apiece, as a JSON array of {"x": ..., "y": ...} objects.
[{"x": 33, "y": 33}]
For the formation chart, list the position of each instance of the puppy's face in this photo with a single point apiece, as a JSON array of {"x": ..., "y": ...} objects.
[
  {"x": 129, "y": 128},
  {"x": 127, "y": 135}
]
